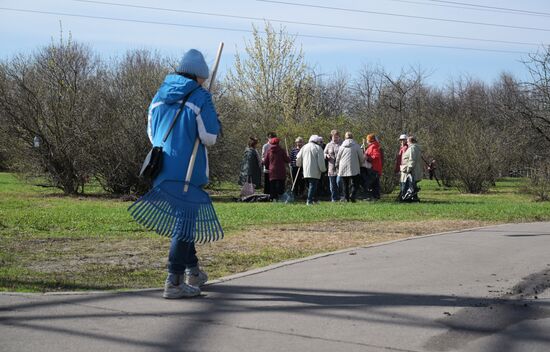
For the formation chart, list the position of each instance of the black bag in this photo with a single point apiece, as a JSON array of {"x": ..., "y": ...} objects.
[{"x": 153, "y": 161}]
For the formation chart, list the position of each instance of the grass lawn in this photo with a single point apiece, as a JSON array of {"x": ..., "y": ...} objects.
[{"x": 49, "y": 242}]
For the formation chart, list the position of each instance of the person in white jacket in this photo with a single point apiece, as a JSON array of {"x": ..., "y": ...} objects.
[
  {"x": 411, "y": 164},
  {"x": 331, "y": 150},
  {"x": 312, "y": 161},
  {"x": 348, "y": 161}
]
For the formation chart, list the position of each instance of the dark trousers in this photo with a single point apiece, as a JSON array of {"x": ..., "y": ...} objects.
[
  {"x": 277, "y": 187},
  {"x": 323, "y": 189},
  {"x": 182, "y": 255},
  {"x": 364, "y": 179},
  {"x": 266, "y": 183},
  {"x": 299, "y": 186},
  {"x": 351, "y": 184},
  {"x": 402, "y": 187},
  {"x": 372, "y": 184}
]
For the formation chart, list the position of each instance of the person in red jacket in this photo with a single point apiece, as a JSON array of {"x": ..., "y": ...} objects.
[
  {"x": 373, "y": 155},
  {"x": 276, "y": 160}
]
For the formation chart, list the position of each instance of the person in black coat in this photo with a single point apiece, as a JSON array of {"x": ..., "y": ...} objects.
[{"x": 251, "y": 164}]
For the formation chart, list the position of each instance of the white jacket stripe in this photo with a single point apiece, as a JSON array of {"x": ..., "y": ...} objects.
[
  {"x": 206, "y": 138},
  {"x": 150, "y": 119},
  {"x": 193, "y": 107}
]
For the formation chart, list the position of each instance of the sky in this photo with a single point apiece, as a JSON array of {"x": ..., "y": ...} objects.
[{"x": 393, "y": 34}]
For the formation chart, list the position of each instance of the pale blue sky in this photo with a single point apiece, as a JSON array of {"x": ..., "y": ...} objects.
[{"x": 24, "y": 31}]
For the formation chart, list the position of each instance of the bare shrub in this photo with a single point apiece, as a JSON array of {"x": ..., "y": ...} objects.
[
  {"x": 536, "y": 109},
  {"x": 117, "y": 134},
  {"x": 464, "y": 143},
  {"x": 44, "y": 100},
  {"x": 539, "y": 180}
]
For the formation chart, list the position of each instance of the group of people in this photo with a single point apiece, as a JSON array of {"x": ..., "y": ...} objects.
[{"x": 348, "y": 166}]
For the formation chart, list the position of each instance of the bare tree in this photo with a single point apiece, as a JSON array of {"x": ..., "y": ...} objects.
[
  {"x": 536, "y": 109},
  {"x": 331, "y": 95},
  {"x": 44, "y": 99},
  {"x": 271, "y": 77},
  {"x": 465, "y": 142}
]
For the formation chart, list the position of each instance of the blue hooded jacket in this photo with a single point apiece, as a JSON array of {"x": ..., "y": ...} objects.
[{"x": 198, "y": 119}]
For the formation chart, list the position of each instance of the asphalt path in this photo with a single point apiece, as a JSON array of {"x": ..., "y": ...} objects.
[{"x": 484, "y": 289}]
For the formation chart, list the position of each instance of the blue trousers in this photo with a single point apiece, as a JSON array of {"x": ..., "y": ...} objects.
[
  {"x": 311, "y": 189},
  {"x": 335, "y": 185},
  {"x": 182, "y": 255}
]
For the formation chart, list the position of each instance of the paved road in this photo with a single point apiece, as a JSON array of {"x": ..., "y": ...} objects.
[{"x": 477, "y": 290}]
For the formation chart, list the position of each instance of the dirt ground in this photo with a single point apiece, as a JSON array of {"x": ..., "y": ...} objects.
[
  {"x": 66, "y": 263},
  {"x": 323, "y": 237}
]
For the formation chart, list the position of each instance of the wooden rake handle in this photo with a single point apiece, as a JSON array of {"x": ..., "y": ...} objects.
[{"x": 197, "y": 141}]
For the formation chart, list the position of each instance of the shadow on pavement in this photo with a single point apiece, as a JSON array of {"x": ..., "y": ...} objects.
[{"x": 222, "y": 303}]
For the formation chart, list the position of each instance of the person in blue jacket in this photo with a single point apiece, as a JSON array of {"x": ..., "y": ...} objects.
[{"x": 198, "y": 119}]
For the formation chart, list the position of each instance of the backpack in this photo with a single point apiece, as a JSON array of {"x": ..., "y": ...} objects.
[{"x": 256, "y": 198}]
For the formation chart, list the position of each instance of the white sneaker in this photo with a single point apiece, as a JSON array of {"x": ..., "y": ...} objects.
[
  {"x": 195, "y": 277},
  {"x": 180, "y": 290}
]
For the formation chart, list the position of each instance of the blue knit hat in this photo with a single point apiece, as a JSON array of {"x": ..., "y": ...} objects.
[{"x": 193, "y": 63}]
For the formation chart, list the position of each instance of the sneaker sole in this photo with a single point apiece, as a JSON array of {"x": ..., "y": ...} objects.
[
  {"x": 196, "y": 284},
  {"x": 168, "y": 296}
]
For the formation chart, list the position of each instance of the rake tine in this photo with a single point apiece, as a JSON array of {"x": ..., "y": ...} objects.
[
  {"x": 211, "y": 223},
  {"x": 179, "y": 226},
  {"x": 154, "y": 217},
  {"x": 188, "y": 222},
  {"x": 182, "y": 224},
  {"x": 171, "y": 226},
  {"x": 144, "y": 214},
  {"x": 140, "y": 204},
  {"x": 198, "y": 226},
  {"x": 184, "y": 217},
  {"x": 202, "y": 222},
  {"x": 166, "y": 221},
  {"x": 151, "y": 216}
]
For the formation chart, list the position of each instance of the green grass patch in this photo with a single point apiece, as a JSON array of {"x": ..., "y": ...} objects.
[{"x": 53, "y": 242}]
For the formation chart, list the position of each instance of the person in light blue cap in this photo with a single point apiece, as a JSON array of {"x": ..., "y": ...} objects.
[
  {"x": 192, "y": 63},
  {"x": 198, "y": 119}
]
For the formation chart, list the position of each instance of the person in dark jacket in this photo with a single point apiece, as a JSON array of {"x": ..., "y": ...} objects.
[
  {"x": 276, "y": 160},
  {"x": 251, "y": 164},
  {"x": 265, "y": 148},
  {"x": 297, "y": 172},
  {"x": 431, "y": 171}
]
